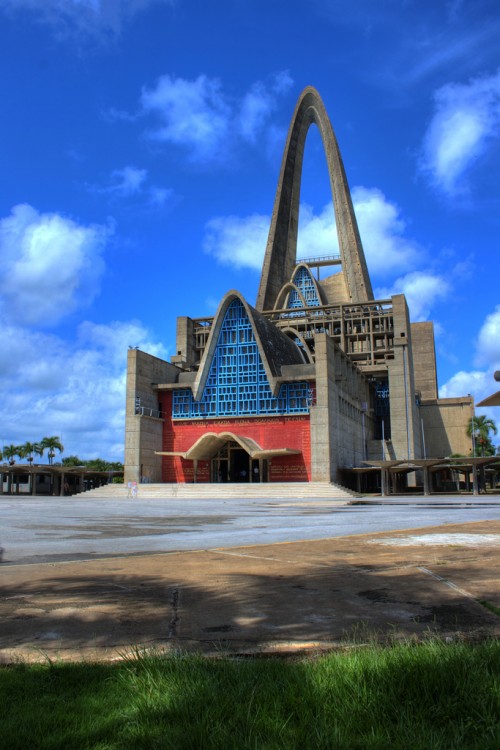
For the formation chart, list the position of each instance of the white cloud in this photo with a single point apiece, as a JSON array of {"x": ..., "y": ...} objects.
[
  {"x": 480, "y": 383},
  {"x": 488, "y": 341},
  {"x": 421, "y": 288},
  {"x": 259, "y": 103},
  {"x": 238, "y": 242},
  {"x": 465, "y": 122},
  {"x": 199, "y": 116},
  {"x": 132, "y": 182},
  {"x": 193, "y": 113},
  {"x": 475, "y": 383},
  {"x": 76, "y": 391},
  {"x": 83, "y": 18},
  {"x": 50, "y": 265},
  {"x": 127, "y": 181},
  {"x": 382, "y": 230},
  {"x": 317, "y": 234},
  {"x": 241, "y": 241}
]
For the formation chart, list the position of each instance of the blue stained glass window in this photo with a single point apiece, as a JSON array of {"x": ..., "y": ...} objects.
[
  {"x": 237, "y": 383},
  {"x": 303, "y": 281}
]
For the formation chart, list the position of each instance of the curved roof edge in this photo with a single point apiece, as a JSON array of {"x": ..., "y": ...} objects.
[
  {"x": 274, "y": 347},
  {"x": 208, "y": 444}
]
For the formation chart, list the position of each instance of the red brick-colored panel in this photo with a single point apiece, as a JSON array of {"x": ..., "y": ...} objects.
[{"x": 269, "y": 432}]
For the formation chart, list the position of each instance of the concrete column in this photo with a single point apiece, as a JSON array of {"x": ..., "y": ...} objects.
[
  {"x": 475, "y": 489},
  {"x": 426, "y": 480}
]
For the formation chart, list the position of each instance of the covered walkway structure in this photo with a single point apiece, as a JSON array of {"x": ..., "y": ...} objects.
[
  {"x": 38, "y": 479},
  {"x": 448, "y": 470}
]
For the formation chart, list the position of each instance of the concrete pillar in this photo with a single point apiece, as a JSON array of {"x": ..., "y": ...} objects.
[{"x": 426, "y": 480}]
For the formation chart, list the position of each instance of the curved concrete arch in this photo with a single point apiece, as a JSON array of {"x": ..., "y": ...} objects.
[
  {"x": 281, "y": 250},
  {"x": 291, "y": 285},
  {"x": 286, "y": 289}
]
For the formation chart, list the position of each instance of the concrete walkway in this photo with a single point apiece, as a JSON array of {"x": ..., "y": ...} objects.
[{"x": 288, "y": 597}]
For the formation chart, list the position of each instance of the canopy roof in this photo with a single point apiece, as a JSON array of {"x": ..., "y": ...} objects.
[{"x": 210, "y": 443}]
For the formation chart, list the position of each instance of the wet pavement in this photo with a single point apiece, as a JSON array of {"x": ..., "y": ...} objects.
[
  {"x": 90, "y": 581},
  {"x": 35, "y": 530}
]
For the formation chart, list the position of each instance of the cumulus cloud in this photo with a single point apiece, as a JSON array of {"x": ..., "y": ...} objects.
[
  {"x": 382, "y": 229},
  {"x": 466, "y": 121},
  {"x": 192, "y": 113},
  {"x": 241, "y": 241},
  {"x": 82, "y": 18},
  {"x": 488, "y": 341},
  {"x": 480, "y": 383},
  {"x": 421, "y": 288},
  {"x": 76, "y": 391},
  {"x": 317, "y": 234},
  {"x": 476, "y": 383},
  {"x": 52, "y": 265},
  {"x": 199, "y": 116},
  {"x": 237, "y": 241}
]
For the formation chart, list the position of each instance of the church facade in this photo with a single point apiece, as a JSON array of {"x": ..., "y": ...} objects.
[{"x": 308, "y": 384}]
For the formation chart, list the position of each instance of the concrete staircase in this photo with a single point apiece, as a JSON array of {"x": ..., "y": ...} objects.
[{"x": 273, "y": 490}]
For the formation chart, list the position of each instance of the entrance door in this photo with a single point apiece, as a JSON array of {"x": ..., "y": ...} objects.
[
  {"x": 240, "y": 465},
  {"x": 231, "y": 464}
]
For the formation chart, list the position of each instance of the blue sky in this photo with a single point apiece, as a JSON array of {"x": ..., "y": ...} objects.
[{"x": 140, "y": 146}]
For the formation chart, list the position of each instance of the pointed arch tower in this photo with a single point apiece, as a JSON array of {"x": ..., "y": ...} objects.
[{"x": 281, "y": 250}]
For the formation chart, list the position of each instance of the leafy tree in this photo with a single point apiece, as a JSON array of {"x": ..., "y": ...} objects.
[
  {"x": 51, "y": 444},
  {"x": 479, "y": 429},
  {"x": 73, "y": 461},
  {"x": 97, "y": 464}
]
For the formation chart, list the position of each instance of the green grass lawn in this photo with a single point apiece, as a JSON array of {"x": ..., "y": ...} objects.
[{"x": 427, "y": 696}]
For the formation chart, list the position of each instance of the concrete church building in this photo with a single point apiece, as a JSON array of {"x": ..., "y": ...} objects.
[{"x": 313, "y": 380}]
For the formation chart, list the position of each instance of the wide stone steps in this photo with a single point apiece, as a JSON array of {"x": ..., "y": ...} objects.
[{"x": 273, "y": 490}]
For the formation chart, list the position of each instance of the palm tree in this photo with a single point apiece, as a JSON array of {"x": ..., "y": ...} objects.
[
  {"x": 28, "y": 449},
  {"x": 479, "y": 429},
  {"x": 10, "y": 451},
  {"x": 51, "y": 444}
]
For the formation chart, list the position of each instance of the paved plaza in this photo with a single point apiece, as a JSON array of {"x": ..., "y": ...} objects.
[{"x": 94, "y": 578}]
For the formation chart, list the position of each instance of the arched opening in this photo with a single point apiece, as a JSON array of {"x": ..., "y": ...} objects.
[{"x": 232, "y": 463}]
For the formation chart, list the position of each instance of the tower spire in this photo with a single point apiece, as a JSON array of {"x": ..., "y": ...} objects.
[{"x": 281, "y": 250}]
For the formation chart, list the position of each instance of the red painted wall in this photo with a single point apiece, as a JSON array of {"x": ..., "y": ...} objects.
[{"x": 269, "y": 432}]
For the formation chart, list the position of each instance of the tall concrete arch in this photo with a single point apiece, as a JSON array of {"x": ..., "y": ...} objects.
[{"x": 280, "y": 257}]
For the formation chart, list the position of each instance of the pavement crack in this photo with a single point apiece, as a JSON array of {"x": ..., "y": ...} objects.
[{"x": 448, "y": 583}]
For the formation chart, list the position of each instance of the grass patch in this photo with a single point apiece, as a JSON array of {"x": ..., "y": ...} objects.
[{"x": 430, "y": 697}]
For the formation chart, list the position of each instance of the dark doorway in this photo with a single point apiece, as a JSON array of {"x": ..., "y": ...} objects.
[{"x": 240, "y": 465}]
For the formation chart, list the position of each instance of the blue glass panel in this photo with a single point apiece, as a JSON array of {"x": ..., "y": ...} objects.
[
  {"x": 303, "y": 281},
  {"x": 237, "y": 383}
]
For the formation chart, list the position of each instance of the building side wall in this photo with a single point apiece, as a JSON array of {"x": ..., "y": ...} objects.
[
  {"x": 143, "y": 432},
  {"x": 445, "y": 426},
  {"x": 269, "y": 432},
  {"x": 340, "y": 425},
  {"x": 424, "y": 359},
  {"x": 405, "y": 423}
]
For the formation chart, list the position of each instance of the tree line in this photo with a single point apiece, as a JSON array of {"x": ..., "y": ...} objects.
[
  {"x": 50, "y": 445},
  {"x": 30, "y": 450}
]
